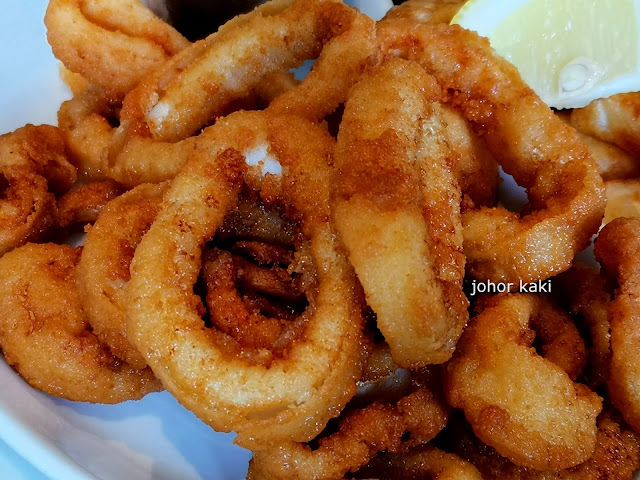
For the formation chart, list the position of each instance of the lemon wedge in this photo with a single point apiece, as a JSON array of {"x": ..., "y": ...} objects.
[{"x": 569, "y": 51}]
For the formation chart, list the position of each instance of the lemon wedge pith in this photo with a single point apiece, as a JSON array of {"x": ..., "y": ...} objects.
[{"x": 569, "y": 51}]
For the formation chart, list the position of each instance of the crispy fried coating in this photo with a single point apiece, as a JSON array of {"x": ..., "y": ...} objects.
[
  {"x": 33, "y": 169},
  {"x": 520, "y": 403},
  {"x": 45, "y": 336},
  {"x": 613, "y": 162},
  {"x": 623, "y": 199},
  {"x": 112, "y": 43},
  {"x": 616, "y": 456},
  {"x": 413, "y": 419},
  {"x": 295, "y": 393},
  {"x": 613, "y": 119},
  {"x": 618, "y": 251},
  {"x": 424, "y": 463},
  {"x": 195, "y": 86},
  {"x": 103, "y": 270},
  {"x": 84, "y": 204},
  {"x": 543, "y": 154},
  {"x": 396, "y": 205},
  {"x": 429, "y": 12},
  {"x": 587, "y": 296}
]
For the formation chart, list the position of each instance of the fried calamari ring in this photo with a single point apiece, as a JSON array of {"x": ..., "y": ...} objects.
[
  {"x": 195, "y": 86},
  {"x": 99, "y": 149},
  {"x": 44, "y": 334},
  {"x": 618, "y": 251},
  {"x": 103, "y": 270},
  {"x": 84, "y": 204},
  {"x": 412, "y": 420},
  {"x": 521, "y": 404},
  {"x": 565, "y": 191},
  {"x": 32, "y": 162},
  {"x": 588, "y": 297},
  {"x": 474, "y": 167},
  {"x": 616, "y": 456},
  {"x": 613, "y": 119},
  {"x": 396, "y": 206},
  {"x": 425, "y": 463},
  {"x": 297, "y": 392},
  {"x": 112, "y": 43}
]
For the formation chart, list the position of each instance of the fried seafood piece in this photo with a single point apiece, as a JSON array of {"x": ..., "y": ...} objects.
[
  {"x": 112, "y": 43},
  {"x": 100, "y": 149},
  {"x": 623, "y": 199},
  {"x": 519, "y": 402},
  {"x": 287, "y": 394},
  {"x": 84, "y": 204},
  {"x": 616, "y": 456},
  {"x": 45, "y": 336},
  {"x": 424, "y": 463},
  {"x": 613, "y": 162},
  {"x": 103, "y": 270},
  {"x": 195, "y": 86},
  {"x": 545, "y": 156},
  {"x": 613, "y": 119},
  {"x": 395, "y": 200},
  {"x": 474, "y": 167},
  {"x": 429, "y": 12},
  {"x": 587, "y": 296},
  {"x": 33, "y": 170},
  {"x": 392, "y": 426},
  {"x": 618, "y": 251}
]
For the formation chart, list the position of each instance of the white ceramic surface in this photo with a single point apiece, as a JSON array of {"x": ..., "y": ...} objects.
[{"x": 153, "y": 439}]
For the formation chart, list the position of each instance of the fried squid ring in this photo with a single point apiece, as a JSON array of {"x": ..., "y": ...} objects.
[
  {"x": 587, "y": 296},
  {"x": 425, "y": 463},
  {"x": 617, "y": 454},
  {"x": 103, "y": 271},
  {"x": 44, "y": 334},
  {"x": 613, "y": 162},
  {"x": 294, "y": 394},
  {"x": 565, "y": 191},
  {"x": 195, "y": 86},
  {"x": 84, "y": 204},
  {"x": 613, "y": 119},
  {"x": 521, "y": 404},
  {"x": 112, "y": 43},
  {"x": 618, "y": 251},
  {"x": 33, "y": 166},
  {"x": 396, "y": 205},
  {"x": 413, "y": 419}
]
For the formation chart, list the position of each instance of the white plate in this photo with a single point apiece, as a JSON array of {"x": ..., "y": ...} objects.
[{"x": 152, "y": 439}]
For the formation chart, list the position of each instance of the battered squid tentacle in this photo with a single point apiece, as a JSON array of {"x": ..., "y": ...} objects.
[
  {"x": 33, "y": 169},
  {"x": 103, "y": 271},
  {"x": 510, "y": 395},
  {"x": 565, "y": 191},
  {"x": 195, "y": 86},
  {"x": 292, "y": 393},
  {"x": 618, "y": 251},
  {"x": 45, "y": 336},
  {"x": 112, "y": 43},
  {"x": 396, "y": 200}
]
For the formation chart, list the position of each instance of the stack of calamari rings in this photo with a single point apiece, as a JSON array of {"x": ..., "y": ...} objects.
[{"x": 291, "y": 258}]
